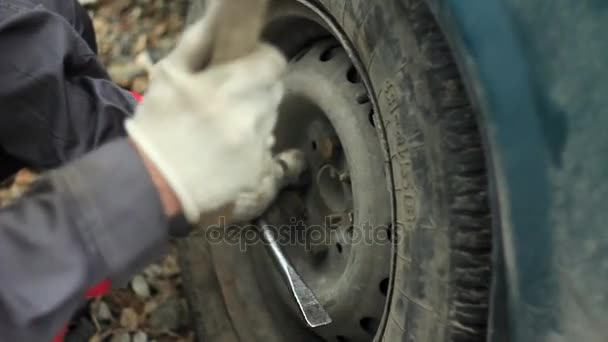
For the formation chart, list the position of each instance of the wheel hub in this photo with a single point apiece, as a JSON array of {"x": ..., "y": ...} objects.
[{"x": 343, "y": 212}]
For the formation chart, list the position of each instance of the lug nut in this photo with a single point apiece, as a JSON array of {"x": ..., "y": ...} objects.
[
  {"x": 344, "y": 177},
  {"x": 328, "y": 147}
]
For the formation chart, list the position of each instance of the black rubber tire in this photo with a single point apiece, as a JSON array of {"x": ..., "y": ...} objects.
[{"x": 442, "y": 268}]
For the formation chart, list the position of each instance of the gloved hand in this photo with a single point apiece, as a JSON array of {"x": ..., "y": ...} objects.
[
  {"x": 208, "y": 131},
  {"x": 284, "y": 169}
]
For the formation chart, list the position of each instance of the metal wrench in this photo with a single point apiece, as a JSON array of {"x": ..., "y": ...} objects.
[
  {"x": 237, "y": 30},
  {"x": 313, "y": 312}
]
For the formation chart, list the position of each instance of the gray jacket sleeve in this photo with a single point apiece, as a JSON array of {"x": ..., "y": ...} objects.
[{"x": 98, "y": 217}]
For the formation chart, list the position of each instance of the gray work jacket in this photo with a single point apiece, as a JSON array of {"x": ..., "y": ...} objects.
[{"x": 98, "y": 217}]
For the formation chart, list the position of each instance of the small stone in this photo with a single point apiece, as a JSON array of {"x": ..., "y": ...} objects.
[
  {"x": 140, "y": 84},
  {"x": 140, "y": 44},
  {"x": 103, "y": 312},
  {"x": 153, "y": 271},
  {"x": 101, "y": 26},
  {"x": 160, "y": 29},
  {"x": 96, "y": 338},
  {"x": 122, "y": 337},
  {"x": 145, "y": 61},
  {"x": 161, "y": 49},
  {"x": 124, "y": 45},
  {"x": 117, "y": 6},
  {"x": 135, "y": 13},
  {"x": 140, "y": 336},
  {"x": 105, "y": 48},
  {"x": 129, "y": 319},
  {"x": 139, "y": 284},
  {"x": 124, "y": 74}
]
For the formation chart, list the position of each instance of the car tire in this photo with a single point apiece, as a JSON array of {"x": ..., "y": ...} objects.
[{"x": 441, "y": 269}]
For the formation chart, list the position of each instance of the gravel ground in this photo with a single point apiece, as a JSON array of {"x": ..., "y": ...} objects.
[{"x": 131, "y": 35}]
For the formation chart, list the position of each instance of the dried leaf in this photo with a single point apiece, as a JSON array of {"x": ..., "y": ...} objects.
[
  {"x": 122, "y": 298},
  {"x": 150, "y": 306},
  {"x": 129, "y": 319},
  {"x": 121, "y": 337},
  {"x": 96, "y": 338},
  {"x": 166, "y": 289},
  {"x": 170, "y": 266}
]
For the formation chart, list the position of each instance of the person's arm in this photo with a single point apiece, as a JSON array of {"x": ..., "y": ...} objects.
[
  {"x": 106, "y": 215},
  {"x": 205, "y": 135}
]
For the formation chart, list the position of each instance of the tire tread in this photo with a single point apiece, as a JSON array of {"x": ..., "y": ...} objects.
[{"x": 469, "y": 212}]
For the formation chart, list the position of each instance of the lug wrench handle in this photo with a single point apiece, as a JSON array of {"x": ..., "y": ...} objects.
[{"x": 313, "y": 312}]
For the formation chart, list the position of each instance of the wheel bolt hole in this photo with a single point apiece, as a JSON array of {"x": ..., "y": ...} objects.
[
  {"x": 314, "y": 145},
  {"x": 362, "y": 99},
  {"x": 371, "y": 118},
  {"x": 369, "y": 325},
  {"x": 352, "y": 75},
  {"x": 339, "y": 248},
  {"x": 384, "y": 286},
  {"x": 340, "y": 338},
  {"x": 301, "y": 54},
  {"x": 329, "y": 53}
]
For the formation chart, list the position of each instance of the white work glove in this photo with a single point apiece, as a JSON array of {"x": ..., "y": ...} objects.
[
  {"x": 284, "y": 169},
  {"x": 208, "y": 131}
]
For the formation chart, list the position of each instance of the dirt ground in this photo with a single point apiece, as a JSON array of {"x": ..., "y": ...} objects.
[{"x": 132, "y": 35}]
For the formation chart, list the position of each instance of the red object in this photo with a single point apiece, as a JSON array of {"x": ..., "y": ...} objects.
[
  {"x": 137, "y": 96},
  {"x": 61, "y": 335},
  {"x": 99, "y": 290},
  {"x": 105, "y": 286}
]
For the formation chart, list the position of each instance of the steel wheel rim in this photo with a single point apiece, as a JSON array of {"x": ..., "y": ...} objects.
[{"x": 336, "y": 191}]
